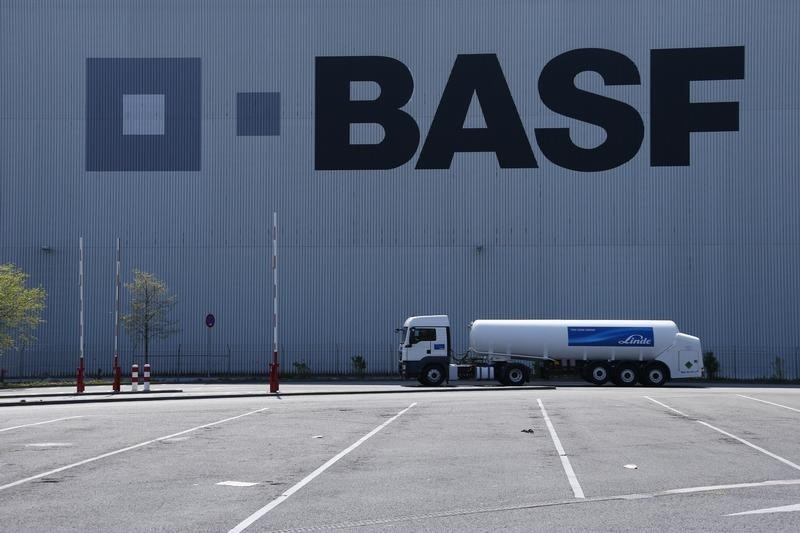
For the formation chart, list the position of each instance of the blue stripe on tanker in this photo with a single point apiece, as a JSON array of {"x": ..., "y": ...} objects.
[{"x": 610, "y": 336}]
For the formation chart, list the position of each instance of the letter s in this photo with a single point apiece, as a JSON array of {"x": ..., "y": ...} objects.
[{"x": 623, "y": 124}]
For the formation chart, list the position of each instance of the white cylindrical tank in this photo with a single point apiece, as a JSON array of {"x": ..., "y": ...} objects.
[{"x": 574, "y": 339}]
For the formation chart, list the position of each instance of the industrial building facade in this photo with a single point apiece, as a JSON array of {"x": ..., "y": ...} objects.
[{"x": 480, "y": 158}]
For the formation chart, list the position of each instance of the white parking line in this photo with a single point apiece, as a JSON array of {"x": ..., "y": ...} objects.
[
  {"x": 573, "y": 479},
  {"x": 129, "y": 448},
  {"x": 710, "y": 488},
  {"x": 40, "y": 423},
  {"x": 668, "y": 407},
  {"x": 771, "y": 403},
  {"x": 785, "y": 509},
  {"x": 427, "y": 517},
  {"x": 759, "y": 448},
  {"x": 247, "y": 522}
]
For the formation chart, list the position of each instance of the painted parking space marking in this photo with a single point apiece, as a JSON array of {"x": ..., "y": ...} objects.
[
  {"x": 40, "y": 423},
  {"x": 732, "y": 486},
  {"x": 123, "y": 450},
  {"x": 573, "y": 479},
  {"x": 668, "y": 407},
  {"x": 538, "y": 505},
  {"x": 770, "y": 403},
  {"x": 237, "y": 484},
  {"x": 743, "y": 441},
  {"x": 244, "y": 524},
  {"x": 785, "y": 509}
]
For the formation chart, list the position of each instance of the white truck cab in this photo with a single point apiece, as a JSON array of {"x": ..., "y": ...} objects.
[{"x": 425, "y": 349}]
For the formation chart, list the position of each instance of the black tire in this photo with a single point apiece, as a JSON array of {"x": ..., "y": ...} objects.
[
  {"x": 432, "y": 375},
  {"x": 654, "y": 374},
  {"x": 599, "y": 373},
  {"x": 516, "y": 375},
  {"x": 626, "y": 375}
]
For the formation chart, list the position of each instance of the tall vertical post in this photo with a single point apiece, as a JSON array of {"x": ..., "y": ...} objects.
[
  {"x": 117, "y": 370},
  {"x": 80, "y": 373},
  {"x": 273, "y": 372}
]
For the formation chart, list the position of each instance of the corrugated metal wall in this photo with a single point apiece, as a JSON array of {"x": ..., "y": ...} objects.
[{"x": 714, "y": 246}]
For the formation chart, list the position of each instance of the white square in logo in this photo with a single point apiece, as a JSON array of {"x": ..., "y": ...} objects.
[{"x": 143, "y": 114}]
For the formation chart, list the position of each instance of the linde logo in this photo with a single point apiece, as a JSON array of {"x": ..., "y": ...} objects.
[
  {"x": 673, "y": 116},
  {"x": 636, "y": 339}
]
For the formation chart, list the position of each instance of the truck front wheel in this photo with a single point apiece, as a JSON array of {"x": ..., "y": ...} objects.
[{"x": 432, "y": 375}]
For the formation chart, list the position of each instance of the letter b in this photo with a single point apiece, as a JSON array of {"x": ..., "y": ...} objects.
[{"x": 334, "y": 112}]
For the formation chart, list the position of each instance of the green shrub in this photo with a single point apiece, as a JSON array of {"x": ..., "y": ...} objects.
[
  {"x": 301, "y": 368},
  {"x": 359, "y": 365},
  {"x": 711, "y": 364}
]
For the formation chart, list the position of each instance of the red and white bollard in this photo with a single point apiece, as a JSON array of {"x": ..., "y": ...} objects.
[
  {"x": 79, "y": 377},
  {"x": 147, "y": 377},
  {"x": 273, "y": 374},
  {"x": 134, "y": 377},
  {"x": 117, "y": 374}
]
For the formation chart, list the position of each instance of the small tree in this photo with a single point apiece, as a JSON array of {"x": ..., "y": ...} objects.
[
  {"x": 150, "y": 304},
  {"x": 301, "y": 368},
  {"x": 711, "y": 364},
  {"x": 20, "y": 307},
  {"x": 359, "y": 365}
]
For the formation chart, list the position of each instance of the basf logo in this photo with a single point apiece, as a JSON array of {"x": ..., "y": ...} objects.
[
  {"x": 673, "y": 117},
  {"x": 144, "y": 114}
]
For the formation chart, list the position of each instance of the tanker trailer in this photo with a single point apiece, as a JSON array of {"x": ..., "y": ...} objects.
[{"x": 624, "y": 352}]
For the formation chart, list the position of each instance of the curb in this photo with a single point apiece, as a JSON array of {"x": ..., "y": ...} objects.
[
  {"x": 57, "y": 394},
  {"x": 141, "y": 396}
]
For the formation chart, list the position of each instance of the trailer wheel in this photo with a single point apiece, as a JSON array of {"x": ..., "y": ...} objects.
[
  {"x": 599, "y": 373},
  {"x": 655, "y": 374},
  {"x": 432, "y": 375},
  {"x": 516, "y": 375},
  {"x": 625, "y": 375}
]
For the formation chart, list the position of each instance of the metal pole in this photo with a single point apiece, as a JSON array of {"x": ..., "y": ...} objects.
[
  {"x": 80, "y": 374},
  {"x": 117, "y": 370},
  {"x": 273, "y": 374}
]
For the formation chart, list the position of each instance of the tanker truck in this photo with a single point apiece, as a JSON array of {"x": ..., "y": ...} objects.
[{"x": 624, "y": 352}]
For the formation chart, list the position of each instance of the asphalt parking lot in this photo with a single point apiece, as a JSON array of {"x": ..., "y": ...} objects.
[{"x": 571, "y": 459}]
